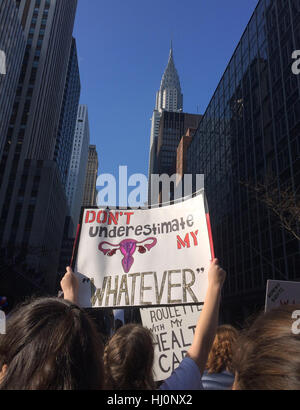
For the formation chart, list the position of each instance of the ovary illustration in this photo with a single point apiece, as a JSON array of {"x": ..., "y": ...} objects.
[{"x": 127, "y": 248}]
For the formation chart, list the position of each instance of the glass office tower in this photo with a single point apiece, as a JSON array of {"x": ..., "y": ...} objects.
[
  {"x": 250, "y": 134},
  {"x": 33, "y": 202},
  {"x": 12, "y": 48},
  {"x": 68, "y": 116}
]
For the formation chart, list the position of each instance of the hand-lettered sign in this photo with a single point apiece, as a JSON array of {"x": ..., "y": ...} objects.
[
  {"x": 280, "y": 293},
  {"x": 144, "y": 257},
  {"x": 173, "y": 329}
]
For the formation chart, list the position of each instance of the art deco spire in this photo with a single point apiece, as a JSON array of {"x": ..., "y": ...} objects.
[{"x": 169, "y": 97}]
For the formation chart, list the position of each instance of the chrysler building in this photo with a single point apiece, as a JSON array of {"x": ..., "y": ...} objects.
[{"x": 168, "y": 98}]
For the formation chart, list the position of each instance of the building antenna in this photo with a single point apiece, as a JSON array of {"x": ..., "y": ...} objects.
[{"x": 171, "y": 47}]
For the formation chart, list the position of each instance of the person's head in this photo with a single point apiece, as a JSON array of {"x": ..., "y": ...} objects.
[
  {"x": 220, "y": 356},
  {"x": 50, "y": 344},
  {"x": 128, "y": 359},
  {"x": 267, "y": 356}
]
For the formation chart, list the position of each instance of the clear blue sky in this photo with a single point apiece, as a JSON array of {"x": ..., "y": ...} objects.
[{"x": 123, "y": 48}]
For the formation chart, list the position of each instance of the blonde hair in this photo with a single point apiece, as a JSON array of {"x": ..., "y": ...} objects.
[{"x": 220, "y": 356}]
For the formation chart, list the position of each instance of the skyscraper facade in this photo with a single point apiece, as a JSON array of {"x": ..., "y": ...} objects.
[
  {"x": 250, "y": 133},
  {"x": 12, "y": 48},
  {"x": 181, "y": 157},
  {"x": 89, "y": 197},
  {"x": 173, "y": 125},
  {"x": 32, "y": 199},
  {"x": 68, "y": 116},
  {"x": 78, "y": 165}
]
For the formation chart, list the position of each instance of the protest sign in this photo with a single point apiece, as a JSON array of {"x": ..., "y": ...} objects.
[
  {"x": 144, "y": 257},
  {"x": 280, "y": 293},
  {"x": 173, "y": 328}
]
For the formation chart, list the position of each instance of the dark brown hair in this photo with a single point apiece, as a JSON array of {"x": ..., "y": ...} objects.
[
  {"x": 51, "y": 344},
  {"x": 267, "y": 356},
  {"x": 220, "y": 356},
  {"x": 128, "y": 359}
]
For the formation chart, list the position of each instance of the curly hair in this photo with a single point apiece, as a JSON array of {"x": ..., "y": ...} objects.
[
  {"x": 128, "y": 359},
  {"x": 220, "y": 356}
]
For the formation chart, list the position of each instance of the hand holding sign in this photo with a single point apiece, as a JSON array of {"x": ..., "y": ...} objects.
[
  {"x": 216, "y": 275},
  {"x": 70, "y": 286},
  {"x": 207, "y": 325}
]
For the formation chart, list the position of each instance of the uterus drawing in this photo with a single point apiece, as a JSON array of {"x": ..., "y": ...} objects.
[{"x": 127, "y": 248}]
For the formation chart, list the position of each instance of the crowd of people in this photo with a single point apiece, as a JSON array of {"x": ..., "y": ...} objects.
[{"x": 53, "y": 344}]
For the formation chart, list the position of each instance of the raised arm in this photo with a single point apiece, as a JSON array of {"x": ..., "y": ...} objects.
[
  {"x": 207, "y": 324},
  {"x": 69, "y": 285}
]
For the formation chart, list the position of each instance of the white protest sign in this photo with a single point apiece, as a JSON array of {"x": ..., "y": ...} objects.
[
  {"x": 280, "y": 293},
  {"x": 173, "y": 328},
  {"x": 146, "y": 257}
]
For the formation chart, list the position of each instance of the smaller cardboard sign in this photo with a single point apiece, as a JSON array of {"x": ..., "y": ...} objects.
[
  {"x": 280, "y": 293},
  {"x": 173, "y": 328}
]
